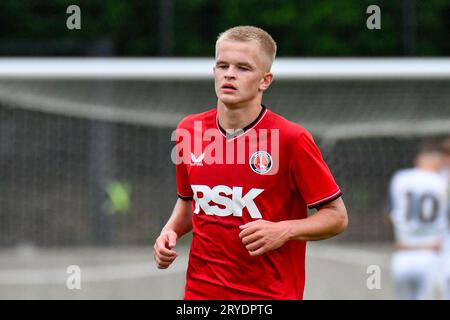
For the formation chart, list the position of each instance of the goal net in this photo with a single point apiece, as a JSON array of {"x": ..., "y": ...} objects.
[{"x": 85, "y": 144}]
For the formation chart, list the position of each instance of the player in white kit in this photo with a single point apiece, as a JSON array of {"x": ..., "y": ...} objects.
[
  {"x": 445, "y": 285},
  {"x": 418, "y": 212}
]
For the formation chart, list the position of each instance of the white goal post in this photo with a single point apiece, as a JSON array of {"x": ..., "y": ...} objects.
[
  {"x": 68, "y": 124},
  {"x": 200, "y": 69}
]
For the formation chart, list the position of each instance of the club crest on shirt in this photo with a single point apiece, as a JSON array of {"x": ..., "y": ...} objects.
[{"x": 261, "y": 162}]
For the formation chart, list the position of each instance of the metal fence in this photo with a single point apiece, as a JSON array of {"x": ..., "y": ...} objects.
[{"x": 86, "y": 162}]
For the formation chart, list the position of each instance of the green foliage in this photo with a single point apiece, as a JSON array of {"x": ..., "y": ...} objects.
[{"x": 301, "y": 28}]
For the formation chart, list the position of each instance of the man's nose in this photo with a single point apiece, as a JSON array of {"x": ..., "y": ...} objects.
[{"x": 230, "y": 73}]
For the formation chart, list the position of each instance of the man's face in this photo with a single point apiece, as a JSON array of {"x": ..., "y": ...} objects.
[
  {"x": 447, "y": 160},
  {"x": 239, "y": 73}
]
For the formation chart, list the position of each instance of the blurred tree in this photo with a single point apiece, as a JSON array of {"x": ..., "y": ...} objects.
[{"x": 301, "y": 28}]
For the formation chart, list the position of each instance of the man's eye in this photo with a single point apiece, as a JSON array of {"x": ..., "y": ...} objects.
[
  {"x": 221, "y": 66},
  {"x": 244, "y": 68}
]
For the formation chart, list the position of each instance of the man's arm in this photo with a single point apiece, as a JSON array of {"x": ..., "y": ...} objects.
[
  {"x": 179, "y": 224},
  {"x": 181, "y": 219},
  {"x": 260, "y": 236},
  {"x": 330, "y": 220}
]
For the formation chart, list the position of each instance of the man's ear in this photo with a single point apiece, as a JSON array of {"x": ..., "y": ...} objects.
[{"x": 266, "y": 81}]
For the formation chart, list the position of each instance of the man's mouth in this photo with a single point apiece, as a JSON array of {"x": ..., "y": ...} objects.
[{"x": 228, "y": 87}]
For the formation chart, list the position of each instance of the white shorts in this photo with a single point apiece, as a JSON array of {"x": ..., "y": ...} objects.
[
  {"x": 445, "y": 278},
  {"x": 415, "y": 273}
]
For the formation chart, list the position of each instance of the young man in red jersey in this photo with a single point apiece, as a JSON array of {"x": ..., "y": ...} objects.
[{"x": 247, "y": 205}]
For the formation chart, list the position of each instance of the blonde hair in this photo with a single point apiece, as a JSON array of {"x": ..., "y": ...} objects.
[{"x": 250, "y": 33}]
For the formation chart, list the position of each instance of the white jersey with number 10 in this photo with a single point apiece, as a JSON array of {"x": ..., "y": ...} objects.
[{"x": 419, "y": 201}]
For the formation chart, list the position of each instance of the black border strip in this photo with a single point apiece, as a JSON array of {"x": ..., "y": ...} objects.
[
  {"x": 326, "y": 201},
  {"x": 226, "y": 309},
  {"x": 185, "y": 198}
]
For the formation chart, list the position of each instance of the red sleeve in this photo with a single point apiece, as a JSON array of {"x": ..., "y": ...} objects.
[
  {"x": 310, "y": 175},
  {"x": 184, "y": 189}
]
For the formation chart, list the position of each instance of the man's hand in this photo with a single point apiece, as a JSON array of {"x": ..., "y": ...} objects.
[
  {"x": 162, "y": 250},
  {"x": 260, "y": 236}
]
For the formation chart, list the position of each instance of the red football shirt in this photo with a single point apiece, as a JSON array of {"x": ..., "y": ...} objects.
[{"x": 272, "y": 170}]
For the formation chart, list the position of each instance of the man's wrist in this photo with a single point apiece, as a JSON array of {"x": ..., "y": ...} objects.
[
  {"x": 289, "y": 230},
  {"x": 168, "y": 230}
]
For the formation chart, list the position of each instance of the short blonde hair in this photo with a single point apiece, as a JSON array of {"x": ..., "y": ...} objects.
[{"x": 250, "y": 33}]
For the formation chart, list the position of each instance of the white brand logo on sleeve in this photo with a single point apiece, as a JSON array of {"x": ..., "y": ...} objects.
[
  {"x": 203, "y": 195},
  {"x": 197, "y": 161}
]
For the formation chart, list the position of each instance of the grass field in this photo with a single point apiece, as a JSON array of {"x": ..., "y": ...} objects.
[{"x": 334, "y": 271}]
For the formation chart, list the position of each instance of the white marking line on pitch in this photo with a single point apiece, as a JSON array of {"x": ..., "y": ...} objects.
[
  {"x": 334, "y": 253},
  {"x": 89, "y": 274},
  {"x": 350, "y": 256}
]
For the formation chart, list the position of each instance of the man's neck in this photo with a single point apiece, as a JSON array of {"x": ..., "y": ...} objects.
[
  {"x": 237, "y": 118},
  {"x": 429, "y": 168}
]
